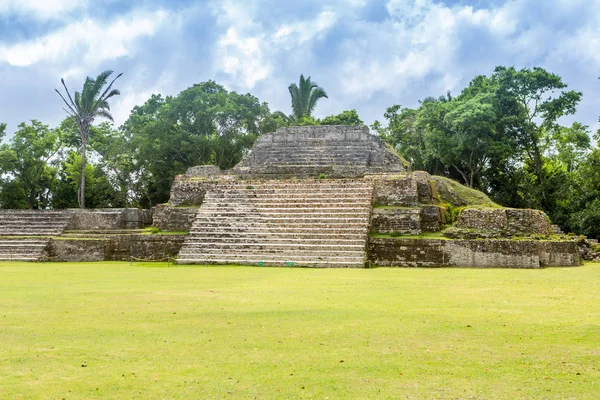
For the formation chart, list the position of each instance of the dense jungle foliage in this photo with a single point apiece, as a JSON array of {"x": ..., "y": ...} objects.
[{"x": 502, "y": 135}]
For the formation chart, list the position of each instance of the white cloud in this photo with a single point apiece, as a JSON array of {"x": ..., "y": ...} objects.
[
  {"x": 92, "y": 41},
  {"x": 299, "y": 32},
  {"x": 40, "y": 9},
  {"x": 249, "y": 52}
]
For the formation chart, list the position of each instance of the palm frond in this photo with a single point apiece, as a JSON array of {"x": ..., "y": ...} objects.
[
  {"x": 110, "y": 86},
  {"x": 100, "y": 81},
  {"x": 66, "y": 90},
  {"x": 316, "y": 94},
  {"x": 105, "y": 114},
  {"x": 71, "y": 110},
  {"x": 305, "y": 96}
]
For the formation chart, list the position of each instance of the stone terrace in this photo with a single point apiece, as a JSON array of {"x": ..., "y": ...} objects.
[
  {"x": 318, "y": 223},
  {"x": 25, "y": 234}
]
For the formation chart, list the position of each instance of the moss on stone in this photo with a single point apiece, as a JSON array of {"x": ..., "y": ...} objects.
[{"x": 458, "y": 195}]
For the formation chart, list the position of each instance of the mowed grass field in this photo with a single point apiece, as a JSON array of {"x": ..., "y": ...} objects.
[{"x": 111, "y": 330}]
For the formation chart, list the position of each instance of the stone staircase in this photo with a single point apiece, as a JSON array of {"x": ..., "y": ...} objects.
[
  {"x": 312, "y": 223},
  {"x": 24, "y": 234},
  {"x": 556, "y": 230}
]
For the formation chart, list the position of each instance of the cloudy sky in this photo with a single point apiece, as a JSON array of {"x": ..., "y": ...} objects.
[{"x": 367, "y": 54}]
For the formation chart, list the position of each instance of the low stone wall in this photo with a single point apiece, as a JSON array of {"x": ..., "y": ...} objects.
[
  {"x": 507, "y": 222},
  {"x": 109, "y": 218},
  {"x": 398, "y": 252},
  {"x": 115, "y": 248},
  {"x": 401, "y": 220},
  {"x": 405, "y": 189},
  {"x": 408, "y": 221},
  {"x": 169, "y": 218},
  {"x": 190, "y": 190},
  {"x": 204, "y": 171}
]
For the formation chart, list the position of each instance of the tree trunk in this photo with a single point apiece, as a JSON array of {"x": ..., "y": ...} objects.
[
  {"x": 81, "y": 193},
  {"x": 537, "y": 161}
]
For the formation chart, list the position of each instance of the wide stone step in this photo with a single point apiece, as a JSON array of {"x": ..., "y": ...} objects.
[
  {"x": 283, "y": 258},
  {"x": 291, "y": 203},
  {"x": 314, "y": 158},
  {"x": 266, "y": 245},
  {"x": 250, "y": 188},
  {"x": 287, "y": 227},
  {"x": 273, "y": 239},
  {"x": 325, "y": 208},
  {"x": 21, "y": 245},
  {"x": 29, "y": 233},
  {"x": 309, "y": 233},
  {"x": 19, "y": 258},
  {"x": 265, "y": 215},
  {"x": 276, "y": 263}
]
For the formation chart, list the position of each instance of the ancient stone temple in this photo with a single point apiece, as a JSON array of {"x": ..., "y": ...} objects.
[
  {"x": 326, "y": 196},
  {"x": 340, "y": 197}
]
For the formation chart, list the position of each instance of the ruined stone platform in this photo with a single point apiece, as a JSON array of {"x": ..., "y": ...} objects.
[
  {"x": 366, "y": 209},
  {"x": 309, "y": 151},
  {"x": 307, "y": 197}
]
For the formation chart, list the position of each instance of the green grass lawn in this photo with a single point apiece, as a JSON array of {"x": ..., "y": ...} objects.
[{"x": 111, "y": 330}]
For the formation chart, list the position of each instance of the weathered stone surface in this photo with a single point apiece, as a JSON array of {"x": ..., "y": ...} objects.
[
  {"x": 207, "y": 171},
  {"x": 432, "y": 218},
  {"x": 396, "y": 252},
  {"x": 169, "y": 218},
  {"x": 109, "y": 218},
  {"x": 506, "y": 222},
  {"x": 308, "y": 151},
  {"x": 115, "y": 248},
  {"x": 408, "y": 189},
  {"x": 189, "y": 190},
  {"x": 400, "y": 220},
  {"x": 308, "y": 222},
  {"x": 400, "y": 252}
]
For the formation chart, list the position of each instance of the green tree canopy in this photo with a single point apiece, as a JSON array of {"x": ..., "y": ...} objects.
[
  {"x": 28, "y": 164},
  {"x": 204, "y": 124}
]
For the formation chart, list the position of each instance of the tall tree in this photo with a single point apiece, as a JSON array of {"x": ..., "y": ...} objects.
[
  {"x": 85, "y": 107},
  {"x": 204, "y": 124},
  {"x": 538, "y": 109},
  {"x": 27, "y": 163},
  {"x": 305, "y": 96}
]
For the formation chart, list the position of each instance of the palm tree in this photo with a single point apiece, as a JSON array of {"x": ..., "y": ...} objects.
[
  {"x": 305, "y": 97},
  {"x": 84, "y": 107}
]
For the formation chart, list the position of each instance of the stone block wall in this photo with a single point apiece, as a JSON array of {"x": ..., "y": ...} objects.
[
  {"x": 402, "y": 220},
  {"x": 432, "y": 218},
  {"x": 398, "y": 252},
  {"x": 169, "y": 218},
  {"x": 189, "y": 190},
  {"x": 204, "y": 171},
  {"x": 505, "y": 222},
  {"x": 114, "y": 248},
  {"x": 405, "y": 190},
  {"x": 408, "y": 221},
  {"x": 110, "y": 218}
]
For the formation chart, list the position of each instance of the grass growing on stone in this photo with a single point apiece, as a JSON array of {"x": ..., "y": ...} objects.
[
  {"x": 458, "y": 195},
  {"x": 111, "y": 330},
  {"x": 398, "y": 235}
]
